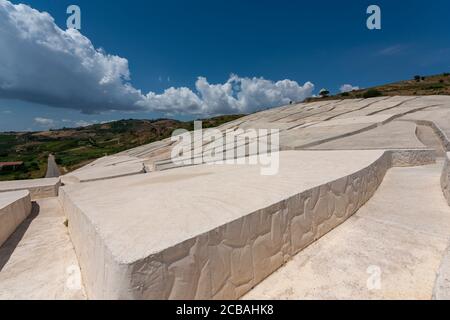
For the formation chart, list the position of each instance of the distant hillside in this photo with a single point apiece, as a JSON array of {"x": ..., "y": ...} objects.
[
  {"x": 76, "y": 147},
  {"x": 418, "y": 86}
]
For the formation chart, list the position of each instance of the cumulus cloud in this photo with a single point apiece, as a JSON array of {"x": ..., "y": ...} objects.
[
  {"x": 44, "y": 64},
  {"x": 236, "y": 95},
  {"x": 348, "y": 88},
  {"x": 45, "y": 122}
]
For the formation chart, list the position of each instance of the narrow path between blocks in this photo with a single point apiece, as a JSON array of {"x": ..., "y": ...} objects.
[
  {"x": 38, "y": 260},
  {"x": 390, "y": 249}
]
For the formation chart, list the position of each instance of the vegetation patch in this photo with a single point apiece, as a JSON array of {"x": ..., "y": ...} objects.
[{"x": 74, "y": 148}]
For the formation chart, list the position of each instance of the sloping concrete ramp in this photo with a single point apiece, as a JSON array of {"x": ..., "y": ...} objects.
[{"x": 391, "y": 248}]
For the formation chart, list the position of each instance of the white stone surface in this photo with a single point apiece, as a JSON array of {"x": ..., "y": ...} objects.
[
  {"x": 379, "y": 118},
  {"x": 396, "y": 134},
  {"x": 38, "y": 260},
  {"x": 229, "y": 228},
  {"x": 214, "y": 232},
  {"x": 15, "y": 206},
  {"x": 102, "y": 173},
  {"x": 390, "y": 249},
  {"x": 336, "y": 124},
  {"x": 445, "y": 178},
  {"x": 38, "y": 188}
]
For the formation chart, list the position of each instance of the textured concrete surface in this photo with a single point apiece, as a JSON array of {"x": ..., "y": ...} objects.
[
  {"x": 106, "y": 168},
  {"x": 15, "y": 206},
  {"x": 399, "y": 238},
  {"x": 229, "y": 228},
  {"x": 437, "y": 114},
  {"x": 445, "y": 178},
  {"x": 38, "y": 261},
  {"x": 217, "y": 231},
  {"x": 397, "y": 134},
  {"x": 442, "y": 284},
  {"x": 427, "y": 135},
  {"x": 339, "y": 124},
  {"x": 412, "y": 157},
  {"x": 38, "y": 188}
]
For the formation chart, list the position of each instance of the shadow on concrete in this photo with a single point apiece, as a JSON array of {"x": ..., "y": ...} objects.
[{"x": 13, "y": 241}]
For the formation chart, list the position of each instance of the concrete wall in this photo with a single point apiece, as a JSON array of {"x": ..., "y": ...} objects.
[
  {"x": 442, "y": 284},
  {"x": 14, "y": 208},
  {"x": 412, "y": 157},
  {"x": 38, "y": 188},
  {"x": 445, "y": 178},
  {"x": 228, "y": 261},
  {"x": 439, "y": 132}
]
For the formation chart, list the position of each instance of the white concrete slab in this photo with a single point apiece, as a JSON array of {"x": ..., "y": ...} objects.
[
  {"x": 38, "y": 188},
  {"x": 134, "y": 233},
  {"x": 445, "y": 178},
  {"x": 15, "y": 206},
  {"x": 390, "y": 249},
  {"x": 104, "y": 171},
  {"x": 394, "y": 135},
  {"x": 354, "y": 120}
]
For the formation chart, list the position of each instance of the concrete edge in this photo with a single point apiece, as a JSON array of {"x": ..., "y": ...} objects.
[
  {"x": 75, "y": 180},
  {"x": 39, "y": 191},
  {"x": 445, "y": 178},
  {"x": 441, "y": 289},
  {"x": 400, "y": 157},
  {"x": 439, "y": 132},
  {"x": 412, "y": 157},
  {"x": 230, "y": 260},
  {"x": 341, "y": 136},
  {"x": 13, "y": 214},
  {"x": 227, "y": 262}
]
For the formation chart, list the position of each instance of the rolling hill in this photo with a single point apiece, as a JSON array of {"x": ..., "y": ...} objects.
[
  {"x": 417, "y": 86},
  {"x": 76, "y": 147}
]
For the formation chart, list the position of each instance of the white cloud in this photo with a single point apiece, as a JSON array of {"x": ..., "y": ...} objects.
[
  {"x": 51, "y": 123},
  {"x": 44, "y": 64},
  {"x": 236, "y": 95},
  {"x": 348, "y": 88},
  {"x": 45, "y": 122},
  {"x": 84, "y": 123},
  {"x": 392, "y": 50}
]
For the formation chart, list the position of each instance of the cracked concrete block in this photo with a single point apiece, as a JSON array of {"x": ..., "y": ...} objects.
[{"x": 202, "y": 250}]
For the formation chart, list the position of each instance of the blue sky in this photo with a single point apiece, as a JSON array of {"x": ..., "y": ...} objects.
[{"x": 171, "y": 43}]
